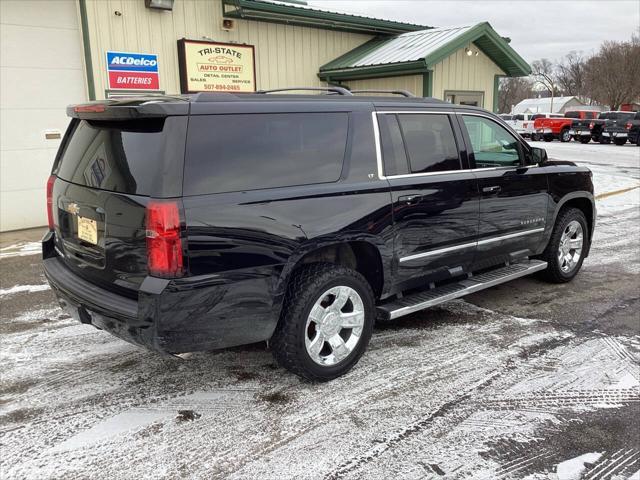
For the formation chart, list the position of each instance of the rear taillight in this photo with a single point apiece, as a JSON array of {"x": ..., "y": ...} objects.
[
  {"x": 591, "y": 125},
  {"x": 628, "y": 126},
  {"x": 164, "y": 245},
  {"x": 50, "y": 183}
]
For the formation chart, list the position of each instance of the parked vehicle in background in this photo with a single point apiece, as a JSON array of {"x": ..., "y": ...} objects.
[
  {"x": 633, "y": 129},
  {"x": 190, "y": 223},
  {"x": 560, "y": 128},
  {"x": 614, "y": 128},
  {"x": 596, "y": 126},
  {"x": 528, "y": 125}
]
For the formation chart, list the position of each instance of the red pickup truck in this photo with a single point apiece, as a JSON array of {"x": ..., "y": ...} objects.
[{"x": 550, "y": 128}]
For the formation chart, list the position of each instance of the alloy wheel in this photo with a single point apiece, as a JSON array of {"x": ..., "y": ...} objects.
[
  {"x": 334, "y": 326},
  {"x": 570, "y": 248}
]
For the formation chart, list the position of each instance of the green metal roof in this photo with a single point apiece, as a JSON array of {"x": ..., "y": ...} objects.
[
  {"x": 299, "y": 13},
  {"x": 418, "y": 51}
]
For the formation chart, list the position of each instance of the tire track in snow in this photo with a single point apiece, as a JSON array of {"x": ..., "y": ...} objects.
[
  {"x": 378, "y": 449},
  {"x": 617, "y": 462}
]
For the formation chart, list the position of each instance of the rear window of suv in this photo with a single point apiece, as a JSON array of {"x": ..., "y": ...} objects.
[
  {"x": 117, "y": 156},
  {"x": 238, "y": 152}
]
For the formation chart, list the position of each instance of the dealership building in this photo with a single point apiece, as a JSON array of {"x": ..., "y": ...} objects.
[{"x": 59, "y": 52}]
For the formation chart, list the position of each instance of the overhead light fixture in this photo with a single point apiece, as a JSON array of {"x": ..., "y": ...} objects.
[
  {"x": 469, "y": 52},
  {"x": 159, "y": 4},
  {"x": 477, "y": 53}
]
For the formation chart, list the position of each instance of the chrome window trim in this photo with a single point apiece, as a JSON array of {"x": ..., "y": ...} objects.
[
  {"x": 379, "y": 160},
  {"x": 471, "y": 244}
]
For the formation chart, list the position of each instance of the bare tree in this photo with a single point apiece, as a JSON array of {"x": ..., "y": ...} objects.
[
  {"x": 544, "y": 74},
  {"x": 512, "y": 91},
  {"x": 613, "y": 74},
  {"x": 570, "y": 75}
]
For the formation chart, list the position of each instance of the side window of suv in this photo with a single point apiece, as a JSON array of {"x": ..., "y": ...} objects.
[
  {"x": 238, "y": 152},
  {"x": 429, "y": 142},
  {"x": 493, "y": 145}
]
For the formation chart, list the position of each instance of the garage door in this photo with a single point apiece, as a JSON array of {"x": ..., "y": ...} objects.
[{"x": 40, "y": 73}]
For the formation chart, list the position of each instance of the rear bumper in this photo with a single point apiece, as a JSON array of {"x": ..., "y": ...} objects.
[
  {"x": 172, "y": 316},
  {"x": 580, "y": 133}
]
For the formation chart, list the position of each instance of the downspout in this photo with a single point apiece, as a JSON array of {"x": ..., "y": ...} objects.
[{"x": 88, "y": 63}]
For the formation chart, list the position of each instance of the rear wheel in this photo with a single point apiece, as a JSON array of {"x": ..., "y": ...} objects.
[
  {"x": 565, "y": 136},
  {"x": 566, "y": 248},
  {"x": 620, "y": 141},
  {"x": 326, "y": 322},
  {"x": 534, "y": 137}
]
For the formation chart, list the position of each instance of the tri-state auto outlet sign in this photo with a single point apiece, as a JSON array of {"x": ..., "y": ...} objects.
[
  {"x": 216, "y": 67},
  {"x": 132, "y": 71}
]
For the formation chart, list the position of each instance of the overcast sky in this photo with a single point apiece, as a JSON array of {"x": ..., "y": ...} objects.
[{"x": 538, "y": 29}]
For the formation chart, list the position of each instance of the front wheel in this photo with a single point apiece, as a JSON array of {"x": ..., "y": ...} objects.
[
  {"x": 566, "y": 248},
  {"x": 326, "y": 322}
]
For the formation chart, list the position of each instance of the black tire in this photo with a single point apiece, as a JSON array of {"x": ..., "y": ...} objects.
[
  {"x": 534, "y": 137},
  {"x": 585, "y": 139},
  {"x": 553, "y": 272},
  {"x": 565, "y": 136},
  {"x": 638, "y": 140},
  {"x": 547, "y": 138},
  {"x": 307, "y": 284},
  {"x": 620, "y": 141}
]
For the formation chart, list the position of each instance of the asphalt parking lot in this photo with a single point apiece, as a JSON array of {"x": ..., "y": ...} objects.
[{"x": 525, "y": 380}]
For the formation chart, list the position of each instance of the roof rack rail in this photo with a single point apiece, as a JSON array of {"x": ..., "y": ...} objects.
[
  {"x": 404, "y": 93},
  {"x": 329, "y": 90}
]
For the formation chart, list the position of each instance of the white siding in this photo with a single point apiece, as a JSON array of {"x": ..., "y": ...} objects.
[
  {"x": 462, "y": 72},
  {"x": 41, "y": 72},
  {"x": 285, "y": 55},
  {"x": 412, "y": 83}
]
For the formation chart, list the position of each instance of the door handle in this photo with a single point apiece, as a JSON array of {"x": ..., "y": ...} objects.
[
  {"x": 491, "y": 189},
  {"x": 409, "y": 199}
]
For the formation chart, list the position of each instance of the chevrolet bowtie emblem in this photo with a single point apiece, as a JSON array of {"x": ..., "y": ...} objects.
[{"x": 73, "y": 208}]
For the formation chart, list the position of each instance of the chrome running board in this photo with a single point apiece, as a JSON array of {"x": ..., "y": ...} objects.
[{"x": 419, "y": 301}]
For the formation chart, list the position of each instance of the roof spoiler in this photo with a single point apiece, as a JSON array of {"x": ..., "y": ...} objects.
[{"x": 130, "y": 108}]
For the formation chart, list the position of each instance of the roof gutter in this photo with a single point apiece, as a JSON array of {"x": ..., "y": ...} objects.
[
  {"x": 296, "y": 15},
  {"x": 375, "y": 71}
]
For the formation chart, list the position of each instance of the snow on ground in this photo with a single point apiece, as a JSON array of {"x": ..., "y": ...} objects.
[{"x": 525, "y": 380}]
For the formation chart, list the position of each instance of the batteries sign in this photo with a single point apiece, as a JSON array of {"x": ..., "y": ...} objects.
[{"x": 132, "y": 71}]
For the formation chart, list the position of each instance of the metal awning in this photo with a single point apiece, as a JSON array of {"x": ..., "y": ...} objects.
[{"x": 417, "y": 51}]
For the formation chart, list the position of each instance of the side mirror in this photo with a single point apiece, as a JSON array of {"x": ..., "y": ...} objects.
[{"x": 538, "y": 156}]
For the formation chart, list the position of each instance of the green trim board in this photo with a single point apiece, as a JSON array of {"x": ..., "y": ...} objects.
[
  {"x": 86, "y": 45},
  {"x": 300, "y": 14},
  {"x": 427, "y": 84},
  {"x": 482, "y": 35}
]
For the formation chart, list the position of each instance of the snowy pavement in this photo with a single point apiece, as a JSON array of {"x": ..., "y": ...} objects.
[{"x": 525, "y": 380}]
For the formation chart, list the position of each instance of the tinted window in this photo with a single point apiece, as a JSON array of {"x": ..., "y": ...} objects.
[
  {"x": 573, "y": 115},
  {"x": 393, "y": 153},
  {"x": 227, "y": 153},
  {"x": 535, "y": 117},
  {"x": 429, "y": 142},
  {"x": 119, "y": 156},
  {"x": 493, "y": 145},
  {"x": 519, "y": 117}
]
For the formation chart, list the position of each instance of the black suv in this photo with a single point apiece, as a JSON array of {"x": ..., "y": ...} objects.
[{"x": 194, "y": 223}]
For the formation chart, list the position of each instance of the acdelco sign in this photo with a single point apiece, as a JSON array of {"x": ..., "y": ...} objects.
[{"x": 132, "y": 71}]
